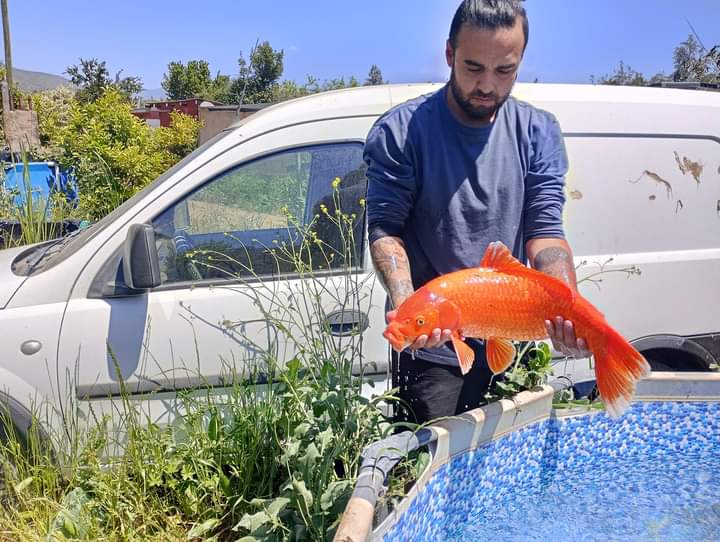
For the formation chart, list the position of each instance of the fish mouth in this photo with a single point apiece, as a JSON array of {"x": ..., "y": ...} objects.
[{"x": 398, "y": 341}]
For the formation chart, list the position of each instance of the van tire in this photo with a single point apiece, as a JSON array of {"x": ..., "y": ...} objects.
[
  {"x": 666, "y": 359},
  {"x": 674, "y": 353}
]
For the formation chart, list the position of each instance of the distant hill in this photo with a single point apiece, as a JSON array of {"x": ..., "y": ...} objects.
[
  {"x": 31, "y": 81},
  {"x": 150, "y": 94}
]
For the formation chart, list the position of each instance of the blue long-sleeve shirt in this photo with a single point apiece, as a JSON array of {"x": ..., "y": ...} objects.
[{"x": 448, "y": 189}]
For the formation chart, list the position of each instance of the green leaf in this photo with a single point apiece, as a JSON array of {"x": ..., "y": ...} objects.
[
  {"x": 253, "y": 522},
  {"x": 68, "y": 527},
  {"x": 308, "y": 459},
  {"x": 339, "y": 490},
  {"x": 325, "y": 437},
  {"x": 199, "y": 529},
  {"x": 301, "y": 497},
  {"x": 421, "y": 463},
  {"x": 225, "y": 484},
  {"x": 22, "y": 485},
  {"x": 73, "y": 519},
  {"x": 214, "y": 427},
  {"x": 277, "y": 506},
  {"x": 291, "y": 451},
  {"x": 302, "y": 429},
  {"x": 292, "y": 369}
]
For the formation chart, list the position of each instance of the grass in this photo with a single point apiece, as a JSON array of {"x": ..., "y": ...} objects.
[{"x": 250, "y": 461}]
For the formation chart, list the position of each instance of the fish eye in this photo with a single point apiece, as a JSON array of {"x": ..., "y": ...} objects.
[{"x": 420, "y": 321}]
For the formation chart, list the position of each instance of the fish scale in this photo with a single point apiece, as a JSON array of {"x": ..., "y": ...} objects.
[{"x": 495, "y": 304}]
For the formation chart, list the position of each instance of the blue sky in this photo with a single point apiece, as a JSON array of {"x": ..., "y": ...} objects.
[{"x": 570, "y": 40}]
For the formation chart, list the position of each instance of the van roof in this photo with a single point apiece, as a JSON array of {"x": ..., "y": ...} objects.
[{"x": 375, "y": 100}]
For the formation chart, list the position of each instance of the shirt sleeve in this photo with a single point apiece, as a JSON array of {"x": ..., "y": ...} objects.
[
  {"x": 545, "y": 180},
  {"x": 391, "y": 179}
]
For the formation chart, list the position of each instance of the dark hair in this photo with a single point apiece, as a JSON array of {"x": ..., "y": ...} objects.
[{"x": 488, "y": 14}]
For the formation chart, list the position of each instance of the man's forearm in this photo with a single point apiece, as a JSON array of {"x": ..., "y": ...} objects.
[
  {"x": 555, "y": 259},
  {"x": 393, "y": 268}
]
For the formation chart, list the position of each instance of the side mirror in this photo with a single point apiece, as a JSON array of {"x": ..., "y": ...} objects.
[{"x": 141, "y": 266}]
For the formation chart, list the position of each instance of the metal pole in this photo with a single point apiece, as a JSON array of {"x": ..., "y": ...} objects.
[{"x": 6, "y": 42}]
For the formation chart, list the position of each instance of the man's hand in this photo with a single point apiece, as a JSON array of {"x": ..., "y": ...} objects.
[
  {"x": 436, "y": 338},
  {"x": 554, "y": 257},
  {"x": 562, "y": 335}
]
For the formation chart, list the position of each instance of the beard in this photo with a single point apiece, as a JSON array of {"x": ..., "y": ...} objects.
[{"x": 475, "y": 112}]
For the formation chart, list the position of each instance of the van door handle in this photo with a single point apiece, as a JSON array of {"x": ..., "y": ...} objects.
[{"x": 343, "y": 323}]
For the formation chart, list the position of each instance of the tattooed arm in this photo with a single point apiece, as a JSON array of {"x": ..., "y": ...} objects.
[
  {"x": 554, "y": 257},
  {"x": 393, "y": 270}
]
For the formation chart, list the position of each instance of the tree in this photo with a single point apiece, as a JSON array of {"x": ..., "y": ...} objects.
[
  {"x": 114, "y": 153},
  {"x": 624, "y": 75},
  {"x": 93, "y": 79},
  {"x": 685, "y": 56},
  {"x": 221, "y": 88},
  {"x": 181, "y": 82},
  {"x": 374, "y": 76},
  {"x": 193, "y": 80},
  {"x": 692, "y": 62},
  {"x": 258, "y": 80}
]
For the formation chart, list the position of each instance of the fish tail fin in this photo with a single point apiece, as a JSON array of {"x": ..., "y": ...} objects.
[{"x": 618, "y": 365}]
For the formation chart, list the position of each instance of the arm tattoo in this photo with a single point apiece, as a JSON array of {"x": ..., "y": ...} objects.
[
  {"x": 556, "y": 261},
  {"x": 393, "y": 268}
]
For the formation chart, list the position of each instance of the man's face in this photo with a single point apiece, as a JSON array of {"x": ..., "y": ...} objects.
[{"x": 484, "y": 66}]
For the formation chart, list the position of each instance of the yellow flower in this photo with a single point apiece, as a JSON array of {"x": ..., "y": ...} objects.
[
  {"x": 323, "y": 208},
  {"x": 336, "y": 182},
  {"x": 362, "y": 202}
]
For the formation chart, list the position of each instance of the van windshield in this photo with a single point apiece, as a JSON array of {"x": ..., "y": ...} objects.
[{"x": 62, "y": 248}]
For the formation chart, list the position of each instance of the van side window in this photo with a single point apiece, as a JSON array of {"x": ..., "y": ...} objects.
[{"x": 302, "y": 208}]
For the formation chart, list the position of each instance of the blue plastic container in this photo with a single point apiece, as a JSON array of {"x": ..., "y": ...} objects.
[{"x": 45, "y": 178}]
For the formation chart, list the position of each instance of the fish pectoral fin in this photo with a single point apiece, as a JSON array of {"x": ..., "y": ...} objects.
[
  {"x": 465, "y": 354},
  {"x": 500, "y": 354}
]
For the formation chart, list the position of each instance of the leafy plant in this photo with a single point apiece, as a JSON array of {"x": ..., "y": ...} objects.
[
  {"x": 114, "y": 154},
  {"x": 273, "y": 455},
  {"x": 532, "y": 367}
]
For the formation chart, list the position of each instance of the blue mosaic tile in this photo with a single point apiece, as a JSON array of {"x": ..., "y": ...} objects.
[{"x": 653, "y": 474}]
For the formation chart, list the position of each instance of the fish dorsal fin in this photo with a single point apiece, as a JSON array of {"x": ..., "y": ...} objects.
[{"x": 498, "y": 256}]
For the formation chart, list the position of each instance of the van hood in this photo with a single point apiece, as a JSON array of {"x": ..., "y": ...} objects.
[{"x": 9, "y": 281}]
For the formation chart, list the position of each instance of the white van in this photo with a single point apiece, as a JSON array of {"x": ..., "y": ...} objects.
[{"x": 113, "y": 304}]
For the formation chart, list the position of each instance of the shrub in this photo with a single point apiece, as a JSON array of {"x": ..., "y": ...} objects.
[{"x": 114, "y": 154}]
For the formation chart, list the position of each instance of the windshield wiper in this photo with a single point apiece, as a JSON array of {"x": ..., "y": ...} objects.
[{"x": 52, "y": 248}]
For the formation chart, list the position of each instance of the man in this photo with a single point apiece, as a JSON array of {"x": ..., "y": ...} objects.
[{"x": 452, "y": 171}]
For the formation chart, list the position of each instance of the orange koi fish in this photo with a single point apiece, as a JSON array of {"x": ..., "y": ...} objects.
[{"x": 503, "y": 300}]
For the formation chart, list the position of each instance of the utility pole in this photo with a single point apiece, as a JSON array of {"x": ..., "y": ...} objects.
[{"x": 6, "y": 42}]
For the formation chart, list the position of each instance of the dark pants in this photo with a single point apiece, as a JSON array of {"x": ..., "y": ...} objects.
[{"x": 431, "y": 390}]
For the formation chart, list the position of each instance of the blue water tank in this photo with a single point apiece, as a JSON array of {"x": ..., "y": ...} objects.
[{"x": 44, "y": 178}]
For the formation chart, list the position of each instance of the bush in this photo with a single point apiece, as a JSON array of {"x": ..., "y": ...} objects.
[
  {"x": 112, "y": 152},
  {"x": 53, "y": 109}
]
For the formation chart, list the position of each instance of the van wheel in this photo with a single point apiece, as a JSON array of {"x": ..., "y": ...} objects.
[{"x": 666, "y": 359}]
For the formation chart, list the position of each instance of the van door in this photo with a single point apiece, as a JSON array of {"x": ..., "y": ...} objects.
[
  {"x": 261, "y": 262},
  {"x": 643, "y": 219}
]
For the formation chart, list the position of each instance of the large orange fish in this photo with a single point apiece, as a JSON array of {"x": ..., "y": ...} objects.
[{"x": 503, "y": 300}]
